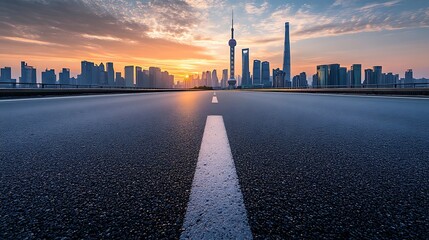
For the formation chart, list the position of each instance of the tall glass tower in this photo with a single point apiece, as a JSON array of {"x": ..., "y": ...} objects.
[
  {"x": 245, "y": 82},
  {"x": 286, "y": 54},
  {"x": 232, "y": 43}
]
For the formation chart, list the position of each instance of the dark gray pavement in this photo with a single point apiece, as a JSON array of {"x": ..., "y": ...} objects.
[
  {"x": 330, "y": 167},
  {"x": 121, "y": 166},
  {"x": 99, "y": 167}
]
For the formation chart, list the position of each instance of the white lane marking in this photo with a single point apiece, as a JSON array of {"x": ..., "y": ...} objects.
[
  {"x": 214, "y": 99},
  {"x": 68, "y": 97},
  {"x": 214, "y": 93},
  {"x": 216, "y": 208}
]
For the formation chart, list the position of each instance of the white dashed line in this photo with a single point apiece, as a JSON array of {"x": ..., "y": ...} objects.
[
  {"x": 214, "y": 93},
  {"x": 214, "y": 99},
  {"x": 216, "y": 208}
]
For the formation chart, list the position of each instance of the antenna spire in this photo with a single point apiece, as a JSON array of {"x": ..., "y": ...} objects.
[
  {"x": 232, "y": 25},
  {"x": 232, "y": 18}
]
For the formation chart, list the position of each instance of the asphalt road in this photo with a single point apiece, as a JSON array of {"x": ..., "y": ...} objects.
[{"x": 309, "y": 166}]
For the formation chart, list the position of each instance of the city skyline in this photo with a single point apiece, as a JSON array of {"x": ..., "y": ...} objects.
[{"x": 371, "y": 33}]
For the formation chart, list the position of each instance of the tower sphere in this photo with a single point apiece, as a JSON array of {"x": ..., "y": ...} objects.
[{"x": 232, "y": 43}]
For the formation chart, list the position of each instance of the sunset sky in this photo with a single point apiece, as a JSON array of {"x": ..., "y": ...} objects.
[{"x": 190, "y": 36}]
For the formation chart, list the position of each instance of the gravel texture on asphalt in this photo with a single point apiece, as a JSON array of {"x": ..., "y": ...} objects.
[
  {"x": 97, "y": 168},
  {"x": 331, "y": 167},
  {"x": 309, "y": 166}
]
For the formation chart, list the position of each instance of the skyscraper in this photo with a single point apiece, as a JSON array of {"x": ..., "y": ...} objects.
[
  {"x": 378, "y": 75},
  {"x": 369, "y": 78},
  {"x": 409, "y": 78},
  {"x": 315, "y": 81},
  {"x": 129, "y": 76},
  {"x": 28, "y": 75},
  {"x": 203, "y": 79},
  {"x": 343, "y": 77},
  {"x": 303, "y": 83},
  {"x": 110, "y": 74},
  {"x": 286, "y": 54},
  {"x": 224, "y": 80},
  {"x": 208, "y": 79},
  {"x": 119, "y": 80},
  {"x": 215, "y": 79},
  {"x": 154, "y": 77},
  {"x": 49, "y": 77},
  {"x": 245, "y": 75},
  {"x": 265, "y": 76},
  {"x": 6, "y": 74},
  {"x": 102, "y": 75},
  {"x": 6, "y": 77},
  {"x": 333, "y": 75},
  {"x": 278, "y": 78},
  {"x": 257, "y": 73},
  {"x": 322, "y": 76},
  {"x": 86, "y": 76},
  {"x": 356, "y": 75},
  {"x": 139, "y": 77},
  {"x": 64, "y": 76},
  {"x": 232, "y": 43}
]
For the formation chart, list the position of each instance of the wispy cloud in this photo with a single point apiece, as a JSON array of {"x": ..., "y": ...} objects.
[
  {"x": 107, "y": 38},
  {"x": 255, "y": 9},
  {"x": 378, "y": 5},
  {"x": 31, "y": 41}
]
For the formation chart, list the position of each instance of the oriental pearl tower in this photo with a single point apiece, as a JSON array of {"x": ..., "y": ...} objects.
[{"x": 232, "y": 43}]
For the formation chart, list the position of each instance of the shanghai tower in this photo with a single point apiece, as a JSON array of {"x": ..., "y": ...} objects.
[
  {"x": 232, "y": 43},
  {"x": 286, "y": 54}
]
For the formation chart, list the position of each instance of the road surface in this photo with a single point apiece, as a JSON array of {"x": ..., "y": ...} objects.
[{"x": 299, "y": 166}]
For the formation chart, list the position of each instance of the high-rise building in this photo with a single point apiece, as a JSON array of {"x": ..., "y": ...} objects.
[
  {"x": 146, "y": 81},
  {"x": 300, "y": 81},
  {"x": 315, "y": 81},
  {"x": 378, "y": 75},
  {"x": 208, "y": 79},
  {"x": 390, "y": 80},
  {"x": 286, "y": 54},
  {"x": 49, "y": 77},
  {"x": 343, "y": 77},
  {"x": 102, "y": 75},
  {"x": 278, "y": 78},
  {"x": 257, "y": 73},
  {"x": 28, "y": 75},
  {"x": 224, "y": 78},
  {"x": 5, "y": 74},
  {"x": 64, "y": 77},
  {"x": 333, "y": 75},
  {"x": 95, "y": 75},
  {"x": 110, "y": 74},
  {"x": 369, "y": 78},
  {"x": 409, "y": 78},
  {"x": 139, "y": 77},
  {"x": 303, "y": 83},
  {"x": 232, "y": 43},
  {"x": 6, "y": 77},
  {"x": 203, "y": 79},
  {"x": 119, "y": 80},
  {"x": 154, "y": 77},
  {"x": 129, "y": 76},
  {"x": 265, "y": 75},
  {"x": 245, "y": 72},
  {"x": 86, "y": 76},
  {"x": 323, "y": 76},
  {"x": 215, "y": 79},
  {"x": 356, "y": 75}
]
